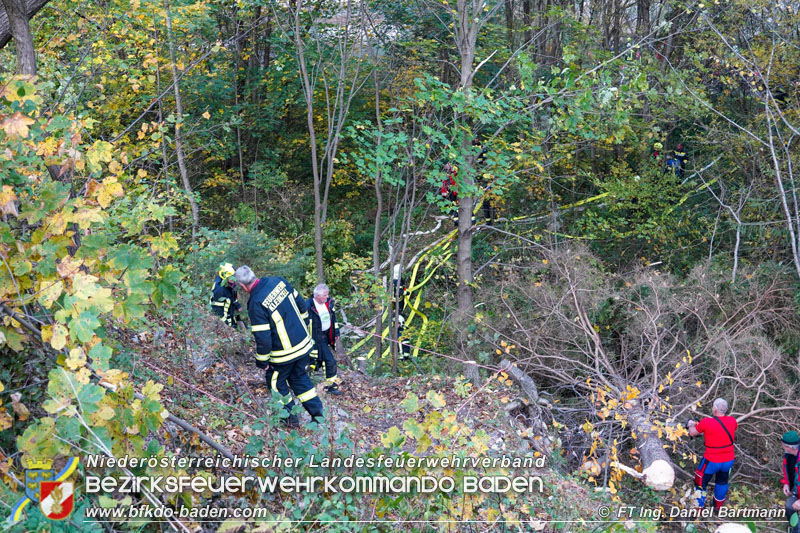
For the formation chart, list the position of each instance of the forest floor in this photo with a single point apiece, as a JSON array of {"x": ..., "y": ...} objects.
[{"x": 211, "y": 382}]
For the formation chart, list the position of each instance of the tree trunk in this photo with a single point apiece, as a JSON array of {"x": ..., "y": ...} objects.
[
  {"x": 642, "y": 17},
  {"x": 376, "y": 235},
  {"x": 21, "y": 31},
  {"x": 164, "y": 156},
  {"x": 19, "y": 27},
  {"x": 526, "y": 21},
  {"x": 510, "y": 24},
  {"x": 179, "y": 125},
  {"x": 308, "y": 92},
  {"x": 657, "y": 472},
  {"x": 468, "y": 16}
]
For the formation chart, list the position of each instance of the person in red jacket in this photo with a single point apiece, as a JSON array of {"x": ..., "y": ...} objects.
[
  {"x": 791, "y": 476},
  {"x": 719, "y": 432}
]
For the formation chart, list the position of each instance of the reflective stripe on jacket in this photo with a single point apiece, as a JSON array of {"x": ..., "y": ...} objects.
[
  {"x": 223, "y": 301},
  {"x": 279, "y": 321}
]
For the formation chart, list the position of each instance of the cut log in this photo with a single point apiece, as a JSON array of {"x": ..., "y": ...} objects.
[
  {"x": 657, "y": 470},
  {"x": 732, "y": 527}
]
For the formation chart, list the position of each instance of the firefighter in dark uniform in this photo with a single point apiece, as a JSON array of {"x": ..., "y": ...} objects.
[
  {"x": 223, "y": 296},
  {"x": 325, "y": 332},
  {"x": 282, "y": 330},
  {"x": 680, "y": 156}
]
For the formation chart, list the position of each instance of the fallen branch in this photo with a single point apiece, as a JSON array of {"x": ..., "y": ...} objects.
[{"x": 531, "y": 391}]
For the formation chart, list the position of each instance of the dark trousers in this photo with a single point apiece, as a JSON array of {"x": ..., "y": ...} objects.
[
  {"x": 405, "y": 348},
  {"x": 293, "y": 374},
  {"x": 327, "y": 359},
  {"x": 789, "y": 512}
]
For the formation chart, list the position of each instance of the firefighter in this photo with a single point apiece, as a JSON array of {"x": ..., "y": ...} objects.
[
  {"x": 280, "y": 324},
  {"x": 448, "y": 191},
  {"x": 325, "y": 332},
  {"x": 680, "y": 156},
  {"x": 223, "y": 296}
]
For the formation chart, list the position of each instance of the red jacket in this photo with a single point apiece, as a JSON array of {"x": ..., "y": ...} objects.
[
  {"x": 719, "y": 446},
  {"x": 449, "y": 183}
]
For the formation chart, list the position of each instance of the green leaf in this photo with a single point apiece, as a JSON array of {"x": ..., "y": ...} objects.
[
  {"x": 411, "y": 403},
  {"x": 82, "y": 328},
  {"x": 89, "y": 396},
  {"x": 254, "y": 445},
  {"x": 101, "y": 355},
  {"x": 413, "y": 429},
  {"x": 393, "y": 438},
  {"x": 435, "y": 399}
]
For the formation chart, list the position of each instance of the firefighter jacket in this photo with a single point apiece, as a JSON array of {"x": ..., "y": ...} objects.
[
  {"x": 316, "y": 323},
  {"x": 279, "y": 322},
  {"x": 223, "y": 302}
]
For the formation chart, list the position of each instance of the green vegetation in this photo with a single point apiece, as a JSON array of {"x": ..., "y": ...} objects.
[{"x": 641, "y": 255}]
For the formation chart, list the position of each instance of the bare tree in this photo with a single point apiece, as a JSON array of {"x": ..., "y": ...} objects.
[
  {"x": 470, "y": 16},
  {"x": 337, "y": 70},
  {"x": 637, "y": 354},
  {"x": 179, "y": 124}
]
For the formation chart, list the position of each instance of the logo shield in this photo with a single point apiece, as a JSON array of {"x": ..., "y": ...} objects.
[
  {"x": 33, "y": 477},
  {"x": 57, "y": 499}
]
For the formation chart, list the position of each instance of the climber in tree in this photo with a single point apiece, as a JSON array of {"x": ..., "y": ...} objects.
[
  {"x": 223, "y": 296},
  {"x": 719, "y": 431},
  {"x": 448, "y": 190}
]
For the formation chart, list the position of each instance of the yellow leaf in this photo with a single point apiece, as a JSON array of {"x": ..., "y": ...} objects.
[
  {"x": 110, "y": 188},
  {"x": 68, "y": 267},
  {"x": 8, "y": 199},
  {"x": 151, "y": 389},
  {"x": 48, "y": 292},
  {"x": 76, "y": 359},
  {"x": 83, "y": 376},
  {"x": 5, "y": 420},
  {"x": 16, "y": 125},
  {"x": 59, "y": 337},
  {"x": 105, "y": 413}
]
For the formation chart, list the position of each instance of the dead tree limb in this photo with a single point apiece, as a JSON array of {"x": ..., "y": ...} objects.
[{"x": 531, "y": 391}]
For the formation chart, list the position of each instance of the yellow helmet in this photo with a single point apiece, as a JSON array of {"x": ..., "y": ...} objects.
[{"x": 225, "y": 271}]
